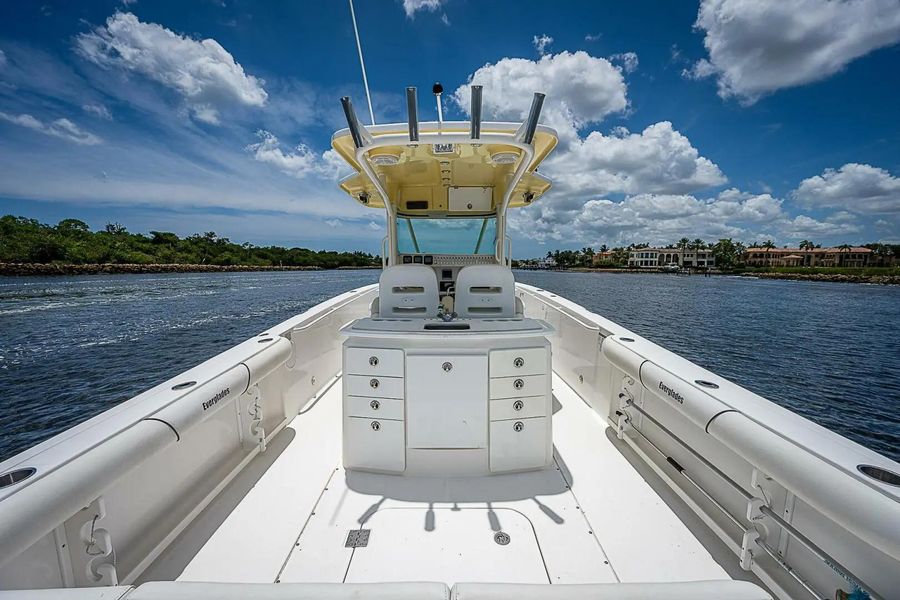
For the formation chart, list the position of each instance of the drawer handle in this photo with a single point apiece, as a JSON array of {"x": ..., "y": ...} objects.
[
  {"x": 519, "y": 384},
  {"x": 373, "y": 383},
  {"x": 373, "y": 361},
  {"x": 376, "y": 425},
  {"x": 519, "y": 426},
  {"x": 518, "y": 405},
  {"x": 519, "y": 362},
  {"x": 375, "y": 404},
  {"x": 447, "y": 367}
]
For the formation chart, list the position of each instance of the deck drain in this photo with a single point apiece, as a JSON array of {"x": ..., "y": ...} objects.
[
  {"x": 357, "y": 538},
  {"x": 501, "y": 538}
]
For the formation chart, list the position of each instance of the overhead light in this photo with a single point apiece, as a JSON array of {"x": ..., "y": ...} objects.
[
  {"x": 504, "y": 158},
  {"x": 383, "y": 160}
]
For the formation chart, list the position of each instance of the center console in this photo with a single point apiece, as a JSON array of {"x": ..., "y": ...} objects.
[{"x": 468, "y": 397}]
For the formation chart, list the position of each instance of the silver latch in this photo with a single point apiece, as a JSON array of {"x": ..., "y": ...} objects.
[
  {"x": 376, "y": 425},
  {"x": 518, "y": 384},
  {"x": 447, "y": 367},
  {"x": 375, "y": 404},
  {"x": 519, "y": 426},
  {"x": 519, "y": 362},
  {"x": 373, "y": 383},
  {"x": 518, "y": 405},
  {"x": 373, "y": 360}
]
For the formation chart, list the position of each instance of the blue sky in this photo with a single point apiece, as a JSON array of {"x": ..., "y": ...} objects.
[{"x": 725, "y": 118}]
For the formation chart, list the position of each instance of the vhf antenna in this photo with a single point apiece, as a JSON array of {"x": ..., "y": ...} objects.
[{"x": 362, "y": 63}]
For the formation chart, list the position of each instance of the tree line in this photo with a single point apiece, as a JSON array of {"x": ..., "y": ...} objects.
[
  {"x": 24, "y": 240},
  {"x": 729, "y": 254}
]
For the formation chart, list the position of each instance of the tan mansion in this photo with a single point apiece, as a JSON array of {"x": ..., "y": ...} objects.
[{"x": 847, "y": 256}]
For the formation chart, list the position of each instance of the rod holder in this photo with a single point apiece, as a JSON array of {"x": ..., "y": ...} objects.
[
  {"x": 352, "y": 122},
  {"x": 530, "y": 125},
  {"x": 412, "y": 111},
  {"x": 475, "y": 111}
]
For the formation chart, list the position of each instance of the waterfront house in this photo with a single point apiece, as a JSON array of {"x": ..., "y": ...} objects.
[
  {"x": 645, "y": 258},
  {"x": 847, "y": 256}
]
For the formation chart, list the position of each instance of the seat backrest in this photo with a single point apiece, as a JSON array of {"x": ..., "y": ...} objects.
[
  {"x": 676, "y": 590},
  {"x": 408, "y": 291},
  {"x": 188, "y": 590},
  {"x": 485, "y": 291}
]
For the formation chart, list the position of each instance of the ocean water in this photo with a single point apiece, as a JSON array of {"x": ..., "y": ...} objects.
[{"x": 73, "y": 347}]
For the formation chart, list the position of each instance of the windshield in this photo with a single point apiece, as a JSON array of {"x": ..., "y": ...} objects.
[{"x": 446, "y": 236}]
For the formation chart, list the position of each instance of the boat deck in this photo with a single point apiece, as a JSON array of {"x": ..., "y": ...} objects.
[{"x": 590, "y": 517}]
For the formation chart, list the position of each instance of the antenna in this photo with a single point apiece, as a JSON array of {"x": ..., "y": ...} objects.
[{"x": 362, "y": 63}]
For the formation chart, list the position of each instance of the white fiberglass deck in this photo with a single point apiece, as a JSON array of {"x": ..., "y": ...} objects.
[{"x": 590, "y": 517}]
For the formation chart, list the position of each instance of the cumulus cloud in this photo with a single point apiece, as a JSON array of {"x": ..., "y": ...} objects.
[
  {"x": 61, "y": 128},
  {"x": 661, "y": 219},
  {"x": 758, "y": 46},
  {"x": 541, "y": 42},
  {"x": 853, "y": 187},
  {"x": 628, "y": 60},
  {"x": 202, "y": 72},
  {"x": 581, "y": 89},
  {"x": 657, "y": 160},
  {"x": 411, "y": 7},
  {"x": 98, "y": 110},
  {"x": 653, "y": 218},
  {"x": 300, "y": 162}
]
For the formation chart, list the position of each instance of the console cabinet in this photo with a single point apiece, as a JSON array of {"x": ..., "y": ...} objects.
[{"x": 492, "y": 403}]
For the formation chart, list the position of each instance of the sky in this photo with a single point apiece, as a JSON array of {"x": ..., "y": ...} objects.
[{"x": 749, "y": 119}]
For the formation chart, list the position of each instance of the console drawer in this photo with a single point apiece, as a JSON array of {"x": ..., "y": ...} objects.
[
  {"x": 519, "y": 444},
  {"x": 374, "y": 408},
  {"x": 376, "y": 387},
  {"x": 518, "y": 361},
  {"x": 518, "y": 387},
  {"x": 376, "y": 444},
  {"x": 518, "y": 408},
  {"x": 373, "y": 361}
]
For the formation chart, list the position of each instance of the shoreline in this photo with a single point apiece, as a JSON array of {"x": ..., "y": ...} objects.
[
  {"x": 62, "y": 270},
  {"x": 50, "y": 269},
  {"x": 827, "y": 277}
]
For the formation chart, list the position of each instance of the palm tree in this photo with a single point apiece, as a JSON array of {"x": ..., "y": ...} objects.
[
  {"x": 844, "y": 248},
  {"x": 768, "y": 245}
]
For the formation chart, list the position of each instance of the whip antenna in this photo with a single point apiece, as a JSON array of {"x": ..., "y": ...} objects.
[{"x": 362, "y": 63}]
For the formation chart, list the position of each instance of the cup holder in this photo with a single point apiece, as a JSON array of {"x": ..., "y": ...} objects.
[{"x": 13, "y": 477}]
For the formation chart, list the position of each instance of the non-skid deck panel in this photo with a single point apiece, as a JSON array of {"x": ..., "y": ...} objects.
[
  {"x": 609, "y": 526},
  {"x": 641, "y": 534},
  {"x": 255, "y": 539},
  {"x": 511, "y": 504}
]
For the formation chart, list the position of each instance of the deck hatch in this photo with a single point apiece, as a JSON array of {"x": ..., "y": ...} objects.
[{"x": 357, "y": 538}]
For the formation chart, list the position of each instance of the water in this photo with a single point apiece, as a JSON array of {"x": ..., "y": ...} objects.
[{"x": 71, "y": 348}]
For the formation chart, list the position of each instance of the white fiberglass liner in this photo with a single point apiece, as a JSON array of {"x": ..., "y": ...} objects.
[{"x": 642, "y": 488}]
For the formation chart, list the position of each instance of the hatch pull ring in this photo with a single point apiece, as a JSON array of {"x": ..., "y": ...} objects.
[
  {"x": 254, "y": 409},
  {"x": 100, "y": 566}
]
